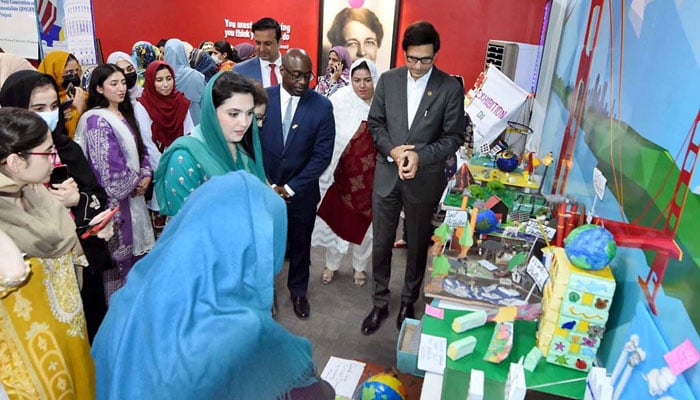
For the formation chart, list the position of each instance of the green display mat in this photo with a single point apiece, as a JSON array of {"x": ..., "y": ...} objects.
[{"x": 523, "y": 342}]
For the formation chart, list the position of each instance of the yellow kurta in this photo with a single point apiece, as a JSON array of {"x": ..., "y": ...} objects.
[{"x": 44, "y": 350}]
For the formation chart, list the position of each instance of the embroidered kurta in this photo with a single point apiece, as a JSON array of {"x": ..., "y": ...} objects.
[{"x": 44, "y": 350}]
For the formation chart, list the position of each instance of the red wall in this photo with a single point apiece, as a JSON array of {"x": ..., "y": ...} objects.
[{"x": 465, "y": 26}]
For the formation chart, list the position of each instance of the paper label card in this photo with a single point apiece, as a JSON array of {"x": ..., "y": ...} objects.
[
  {"x": 343, "y": 375},
  {"x": 434, "y": 312},
  {"x": 684, "y": 356},
  {"x": 533, "y": 229},
  {"x": 432, "y": 353},
  {"x": 599, "y": 182},
  {"x": 538, "y": 272},
  {"x": 456, "y": 218}
]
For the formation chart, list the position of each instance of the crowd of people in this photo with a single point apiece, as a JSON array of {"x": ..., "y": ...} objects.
[{"x": 192, "y": 173}]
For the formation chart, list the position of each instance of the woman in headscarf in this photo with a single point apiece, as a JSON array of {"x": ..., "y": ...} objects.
[
  {"x": 109, "y": 136},
  {"x": 38, "y": 92},
  {"x": 345, "y": 211},
  {"x": 66, "y": 70},
  {"x": 337, "y": 73},
  {"x": 143, "y": 54},
  {"x": 203, "y": 62},
  {"x": 10, "y": 63},
  {"x": 124, "y": 61},
  {"x": 190, "y": 82},
  {"x": 245, "y": 51},
  {"x": 45, "y": 350},
  {"x": 163, "y": 116},
  {"x": 225, "y": 140},
  {"x": 210, "y": 335}
]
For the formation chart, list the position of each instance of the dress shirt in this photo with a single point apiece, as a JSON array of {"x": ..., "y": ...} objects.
[
  {"x": 284, "y": 99},
  {"x": 265, "y": 71},
  {"x": 414, "y": 94}
]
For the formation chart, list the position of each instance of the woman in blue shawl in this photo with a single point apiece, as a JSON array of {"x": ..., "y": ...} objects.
[
  {"x": 211, "y": 150},
  {"x": 193, "y": 320},
  {"x": 187, "y": 80}
]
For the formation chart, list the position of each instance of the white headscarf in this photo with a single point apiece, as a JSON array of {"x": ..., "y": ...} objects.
[{"x": 136, "y": 90}]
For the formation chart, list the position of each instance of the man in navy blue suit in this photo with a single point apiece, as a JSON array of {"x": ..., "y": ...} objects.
[
  {"x": 297, "y": 142},
  {"x": 264, "y": 68}
]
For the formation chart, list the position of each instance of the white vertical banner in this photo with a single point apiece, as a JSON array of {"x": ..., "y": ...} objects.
[{"x": 18, "y": 28}]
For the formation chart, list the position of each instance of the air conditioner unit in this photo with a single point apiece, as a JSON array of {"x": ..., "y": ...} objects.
[{"x": 518, "y": 61}]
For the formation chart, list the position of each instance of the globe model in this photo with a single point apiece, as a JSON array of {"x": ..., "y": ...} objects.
[
  {"x": 507, "y": 162},
  {"x": 590, "y": 247},
  {"x": 486, "y": 221},
  {"x": 382, "y": 387}
]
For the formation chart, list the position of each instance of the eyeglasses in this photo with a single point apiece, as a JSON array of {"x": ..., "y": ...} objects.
[
  {"x": 53, "y": 153},
  {"x": 296, "y": 75},
  {"x": 260, "y": 117},
  {"x": 423, "y": 60}
]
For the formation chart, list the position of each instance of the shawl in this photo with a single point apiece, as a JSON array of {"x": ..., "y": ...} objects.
[
  {"x": 10, "y": 63},
  {"x": 143, "y": 54},
  {"x": 142, "y": 238},
  {"x": 205, "y": 332},
  {"x": 202, "y": 62},
  {"x": 208, "y": 146},
  {"x": 44, "y": 228},
  {"x": 347, "y": 205},
  {"x": 167, "y": 112},
  {"x": 135, "y": 91},
  {"x": 53, "y": 64},
  {"x": 187, "y": 80}
]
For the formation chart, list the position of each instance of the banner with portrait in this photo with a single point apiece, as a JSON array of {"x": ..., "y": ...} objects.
[{"x": 367, "y": 28}]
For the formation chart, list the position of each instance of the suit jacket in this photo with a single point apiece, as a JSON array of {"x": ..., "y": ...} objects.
[
  {"x": 300, "y": 162},
  {"x": 436, "y": 131},
  {"x": 249, "y": 68}
]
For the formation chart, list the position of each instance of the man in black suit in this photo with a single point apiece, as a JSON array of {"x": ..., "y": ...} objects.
[
  {"x": 416, "y": 121},
  {"x": 297, "y": 142}
]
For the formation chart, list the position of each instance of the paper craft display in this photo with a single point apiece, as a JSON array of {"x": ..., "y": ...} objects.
[
  {"x": 532, "y": 359},
  {"x": 461, "y": 348},
  {"x": 501, "y": 343},
  {"x": 575, "y": 306},
  {"x": 469, "y": 321}
]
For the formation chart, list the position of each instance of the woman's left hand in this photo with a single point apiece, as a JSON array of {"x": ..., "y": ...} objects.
[
  {"x": 66, "y": 192},
  {"x": 142, "y": 186}
]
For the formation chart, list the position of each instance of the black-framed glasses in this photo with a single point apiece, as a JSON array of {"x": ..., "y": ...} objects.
[
  {"x": 296, "y": 75},
  {"x": 53, "y": 153},
  {"x": 260, "y": 117},
  {"x": 423, "y": 60}
]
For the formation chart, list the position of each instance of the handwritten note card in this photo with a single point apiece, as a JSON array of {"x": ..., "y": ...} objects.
[
  {"x": 456, "y": 218},
  {"x": 343, "y": 375},
  {"x": 538, "y": 272},
  {"x": 432, "y": 353},
  {"x": 684, "y": 356},
  {"x": 599, "y": 183}
]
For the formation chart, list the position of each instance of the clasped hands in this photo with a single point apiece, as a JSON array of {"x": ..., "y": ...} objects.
[
  {"x": 406, "y": 159},
  {"x": 280, "y": 190}
]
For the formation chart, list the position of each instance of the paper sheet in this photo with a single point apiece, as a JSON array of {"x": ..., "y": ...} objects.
[
  {"x": 344, "y": 375},
  {"x": 432, "y": 353}
]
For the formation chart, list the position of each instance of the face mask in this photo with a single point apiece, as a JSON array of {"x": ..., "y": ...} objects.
[
  {"x": 68, "y": 79},
  {"x": 51, "y": 118},
  {"x": 130, "y": 79}
]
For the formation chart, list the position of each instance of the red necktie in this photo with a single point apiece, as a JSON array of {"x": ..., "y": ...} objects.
[{"x": 273, "y": 75}]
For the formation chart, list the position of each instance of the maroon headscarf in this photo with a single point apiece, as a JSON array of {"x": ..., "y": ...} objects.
[{"x": 167, "y": 112}]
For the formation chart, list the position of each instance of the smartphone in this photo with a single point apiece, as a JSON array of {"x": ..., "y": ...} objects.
[
  {"x": 98, "y": 226},
  {"x": 70, "y": 90},
  {"x": 58, "y": 175},
  {"x": 66, "y": 104}
]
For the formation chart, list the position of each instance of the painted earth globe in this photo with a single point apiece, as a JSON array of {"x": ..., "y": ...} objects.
[
  {"x": 382, "y": 387},
  {"x": 507, "y": 161},
  {"x": 486, "y": 221},
  {"x": 590, "y": 247}
]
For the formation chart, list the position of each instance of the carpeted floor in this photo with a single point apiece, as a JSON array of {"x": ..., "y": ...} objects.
[{"x": 337, "y": 311}]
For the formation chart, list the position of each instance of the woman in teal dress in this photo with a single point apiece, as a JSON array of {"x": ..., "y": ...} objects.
[{"x": 225, "y": 140}]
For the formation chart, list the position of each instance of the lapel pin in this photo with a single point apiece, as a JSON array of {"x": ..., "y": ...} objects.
[
  {"x": 294, "y": 126},
  {"x": 430, "y": 93}
]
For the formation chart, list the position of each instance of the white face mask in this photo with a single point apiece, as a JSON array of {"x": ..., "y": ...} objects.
[{"x": 51, "y": 118}]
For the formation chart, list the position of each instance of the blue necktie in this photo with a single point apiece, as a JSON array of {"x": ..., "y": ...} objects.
[{"x": 287, "y": 121}]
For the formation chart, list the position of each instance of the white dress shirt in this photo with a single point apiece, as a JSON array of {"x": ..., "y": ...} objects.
[
  {"x": 414, "y": 94},
  {"x": 265, "y": 71},
  {"x": 284, "y": 99}
]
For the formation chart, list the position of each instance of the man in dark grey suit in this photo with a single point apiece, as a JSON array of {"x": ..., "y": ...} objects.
[{"x": 416, "y": 121}]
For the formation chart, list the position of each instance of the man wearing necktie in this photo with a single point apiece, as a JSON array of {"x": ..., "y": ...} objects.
[
  {"x": 264, "y": 68},
  {"x": 297, "y": 142}
]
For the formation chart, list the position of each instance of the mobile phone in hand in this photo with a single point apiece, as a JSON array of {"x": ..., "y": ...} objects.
[
  {"x": 58, "y": 175},
  {"x": 66, "y": 104},
  {"x": 70, "y": 90},
  {"x": 100, "y": 225}
]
